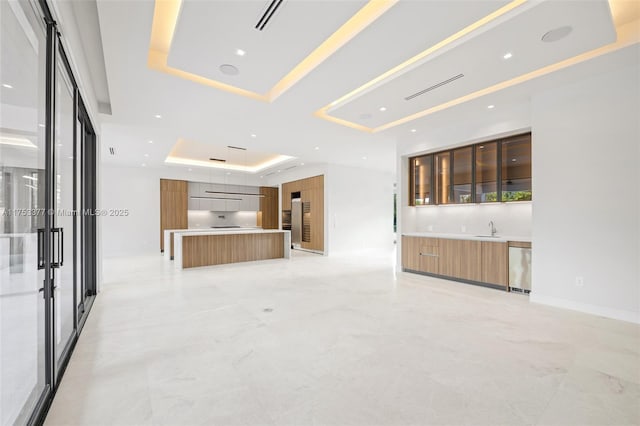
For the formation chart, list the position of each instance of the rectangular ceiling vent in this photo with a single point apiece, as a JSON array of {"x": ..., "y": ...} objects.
[
  {"x": 236, "y": 147},
  {"x": 112, "y": 151},
  {"x": 268, "y": 14},
  {"x": 435, "y": 86},
  {"x": 292, "y": 167},
  {"x": 218, "y": 159},
  {"x": 269, "y": 174}
]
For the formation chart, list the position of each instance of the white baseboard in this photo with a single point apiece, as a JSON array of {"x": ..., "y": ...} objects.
[{"x": 618, "y": 314}]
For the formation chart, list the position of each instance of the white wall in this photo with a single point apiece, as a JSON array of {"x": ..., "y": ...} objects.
[
  {"x": 510, "y": 219},
  {"x": 137, "y": 189},
  {"x": 586, "y": 188},
  {"x": 358, "y": 207},
  {"x": 360, "y": 219}
]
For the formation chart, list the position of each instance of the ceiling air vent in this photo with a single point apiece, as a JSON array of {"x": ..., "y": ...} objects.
[
  {"x": 218, "y": 159},
  {"x": 292, "y": 167},
  {"x": 435, "y": 86},
  {"x": 269, "y": 174},
  {"x": 112, "y": 151},
  {"x": 268, "y": 14},
  {"x": 236, "y": 147}
]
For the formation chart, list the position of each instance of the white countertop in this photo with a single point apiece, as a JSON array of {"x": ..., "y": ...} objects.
[
  {"x": 499, "y": 238},
  {"x": 228, "y": 231},
  {"x": 250, "y": 228}
]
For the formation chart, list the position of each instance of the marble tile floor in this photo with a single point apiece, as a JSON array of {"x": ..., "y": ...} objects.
[{"x": 338, "y": 341}]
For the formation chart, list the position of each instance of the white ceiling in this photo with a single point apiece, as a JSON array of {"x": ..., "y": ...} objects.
[
  {"x": 209, "y": 32},
  {"x": 287, "y": 126},
  {"x": 481, "y": 60}
]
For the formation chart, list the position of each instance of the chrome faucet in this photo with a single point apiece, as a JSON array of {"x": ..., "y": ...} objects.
[{"x": 492, "y": 228}]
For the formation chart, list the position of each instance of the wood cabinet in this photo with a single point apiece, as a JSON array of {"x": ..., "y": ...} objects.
[
  {"x": 495, "y": 263},
  {"x": 312, "y": 197},
  {"x": 420, "y": 254},
  {"x": 460, "y": 259},
  {"x": 173, "y": 206},
  {"x": 286, "y": 196},
  {"x": 470, "y": 260},
  {"x": 268, "y": 213}
]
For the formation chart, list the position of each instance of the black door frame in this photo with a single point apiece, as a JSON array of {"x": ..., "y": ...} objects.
[{"x": 86, "y": 186}]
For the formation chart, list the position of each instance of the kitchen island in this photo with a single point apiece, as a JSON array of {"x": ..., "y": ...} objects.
[
  {"x": 215, "y": 247},
  {"x": 168, "y": 235}
]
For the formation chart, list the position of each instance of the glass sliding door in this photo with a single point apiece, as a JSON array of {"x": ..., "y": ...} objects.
[
  {"x": 63, "y": 220},
  {"x": 85, "y": 199},
  {"x": 23, "y": 170}
]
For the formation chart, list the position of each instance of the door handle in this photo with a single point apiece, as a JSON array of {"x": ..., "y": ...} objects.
[
  {"x": 61, "y": 247},
  {"x": 58, "y": 257},
  {"x": 41, "y": 249}
]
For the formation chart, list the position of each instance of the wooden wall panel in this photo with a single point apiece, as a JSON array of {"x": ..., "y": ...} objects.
[
  {"x": 268, "y": 215},
  {"x": 174, "y": 196},
  {"x": 204, "y": 250}
]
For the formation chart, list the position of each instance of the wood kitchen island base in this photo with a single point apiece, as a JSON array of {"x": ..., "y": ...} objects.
[{"x": 230, "y": 247}]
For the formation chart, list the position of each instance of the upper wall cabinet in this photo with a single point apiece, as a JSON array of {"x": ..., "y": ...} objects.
[
  {"x": 223, "y": 198},
  {"x": 492, "y": 171}
]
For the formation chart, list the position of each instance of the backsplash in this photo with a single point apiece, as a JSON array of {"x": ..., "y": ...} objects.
[
  {"x": 201, "y": 219},
  {"x": 510, "y": 219}
]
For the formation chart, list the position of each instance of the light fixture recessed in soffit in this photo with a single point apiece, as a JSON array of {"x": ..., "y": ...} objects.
[
  {"x": 557, "y": 34},
  {"x": 229, "y": 69}
]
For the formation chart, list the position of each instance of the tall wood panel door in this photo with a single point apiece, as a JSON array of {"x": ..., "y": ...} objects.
[{"x": 174, "y": 195}]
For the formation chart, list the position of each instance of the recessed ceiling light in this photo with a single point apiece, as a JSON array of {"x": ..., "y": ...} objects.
[
  {"x": 144, "y": 165},
  {"x": 240, "y": 52},
  {"x": 146, "y": 155},
  {"x": 7, "y": 86},
  {"x": 383, "y": 109},
  {"x": 150, "y": 141},
  {"x": 229, "y": 69},
  {"x": 302, "y": 164},
  {"x": 157, "y": 116},
  {"x": 491, "y": 106},
  {"x": 513, "y": 159},
  {"x": 507, "y": 55},
  {"x": 253, "y": 135},
  {"x": 316, "y": 148},
  {"x": 279, "y": 171},
  {"x": 413, "y": 130},
  {"x": 557, "y": 34},
  {"x": 364, "y": 158}
]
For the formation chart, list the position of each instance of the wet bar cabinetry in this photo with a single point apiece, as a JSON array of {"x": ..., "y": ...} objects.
[{"x": 474, "y": 259}]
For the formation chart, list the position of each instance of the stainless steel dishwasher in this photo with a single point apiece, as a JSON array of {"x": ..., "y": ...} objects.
[{"x": 520, "y": 269}]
